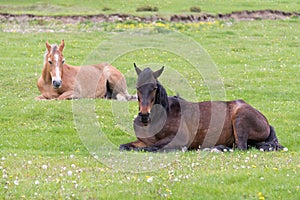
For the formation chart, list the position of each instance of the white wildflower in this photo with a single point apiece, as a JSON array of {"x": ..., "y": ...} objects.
[
  {"x": 16, "y": 182},
  {"x": 149, "y": 179},
  {"x": 70, "y": 173},
  {"x": 44, "y": 166}
]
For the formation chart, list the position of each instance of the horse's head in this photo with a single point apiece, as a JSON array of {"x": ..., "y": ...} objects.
[
  {"x": 146, "y": 91},
  {"x": 54, "y": 61}
]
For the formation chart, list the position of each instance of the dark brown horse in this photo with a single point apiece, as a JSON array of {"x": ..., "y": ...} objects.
[
  {"x": 167, "y": 123},
  {"x": 62, "y": 81}
]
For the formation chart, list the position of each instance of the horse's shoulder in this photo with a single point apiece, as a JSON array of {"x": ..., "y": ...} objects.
[
  {"x": 43, "y": 85},
  {"x": 40, "y": 81}
]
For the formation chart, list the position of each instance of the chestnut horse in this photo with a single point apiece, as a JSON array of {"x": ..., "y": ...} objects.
[
  {"x": 62, "y": 81},
  {"x": 169, "y": 123}
]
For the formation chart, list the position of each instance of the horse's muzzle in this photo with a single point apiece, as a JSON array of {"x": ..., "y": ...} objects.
[
  {"x": 145, "y": 118},
  {"x": 56, "y": 84}
]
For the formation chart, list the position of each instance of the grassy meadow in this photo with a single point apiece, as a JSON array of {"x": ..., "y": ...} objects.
[
  {"x": 165, "y": 7},
  {"x": 43, "y": 153}
]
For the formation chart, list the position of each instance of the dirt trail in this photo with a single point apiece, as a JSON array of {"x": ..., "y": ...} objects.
[{"x": 241, "y": 15}]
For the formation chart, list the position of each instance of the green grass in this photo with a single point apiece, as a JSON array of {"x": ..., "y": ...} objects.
[
  {"x": 42, "y": 153},
  {"x": 165, "y": 7}
]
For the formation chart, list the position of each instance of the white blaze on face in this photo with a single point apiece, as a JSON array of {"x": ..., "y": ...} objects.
[{"x": 57, "y": 72}]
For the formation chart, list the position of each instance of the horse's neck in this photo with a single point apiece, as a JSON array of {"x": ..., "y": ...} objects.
[
  {"x": 162, "y": 97},
  {"x": 46, "y": 75},
  {"x": 69, "y": 71}
]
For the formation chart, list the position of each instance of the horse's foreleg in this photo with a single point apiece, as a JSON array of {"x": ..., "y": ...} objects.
[
  {"x": 136, "y": 145},
  {"x": 41, "y": 97},
  {"x": 46, "y": 96},
  {"x": 66, "y": 95},
  {"x": 161, "y": 145}
]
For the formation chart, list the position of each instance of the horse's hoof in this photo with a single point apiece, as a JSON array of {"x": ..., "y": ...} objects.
[
  {"x": 215, "y": 150},
  {"x": 221, "y": 148},
  {"x": 149, "y": 149},
  {"x": 124, "y": 147},
  {"x": 38, "y": 98}
]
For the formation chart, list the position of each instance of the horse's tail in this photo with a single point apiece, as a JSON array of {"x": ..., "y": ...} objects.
[
  {"x": 273, "y": 141},
  {"x": 270, "y": 144},
  {"x": 109, "y": 92}
]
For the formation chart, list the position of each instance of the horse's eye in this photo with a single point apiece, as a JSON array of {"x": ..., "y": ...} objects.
[
  {"x": 63, "y": 61},
  {"x": 50, "y": 62}
]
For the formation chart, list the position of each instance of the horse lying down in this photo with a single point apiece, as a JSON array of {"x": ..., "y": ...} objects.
[
  {"x": 62, "y": 81},
  {"x": 169, "y": 123}
]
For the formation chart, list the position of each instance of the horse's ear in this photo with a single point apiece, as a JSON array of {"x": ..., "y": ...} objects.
[
  {"x": 61, "y": 46},
  {"x": 157, "y": 73},
  {"x": 48, "y": 46},
  {"x": 138, "y": 70}
]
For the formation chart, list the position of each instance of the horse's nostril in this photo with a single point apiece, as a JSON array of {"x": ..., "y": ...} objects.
[
  {"x": 56, "y": 84},
  {"x": 145, "y": 118}
]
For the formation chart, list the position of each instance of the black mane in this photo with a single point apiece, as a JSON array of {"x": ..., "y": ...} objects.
[{"x": 161, "y": 97}]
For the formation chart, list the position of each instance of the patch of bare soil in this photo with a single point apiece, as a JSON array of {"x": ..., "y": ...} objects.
[{"x": 237, "y": 16}]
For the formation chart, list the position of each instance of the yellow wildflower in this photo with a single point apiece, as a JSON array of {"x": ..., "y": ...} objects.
[{"x": 260, "y": 196}]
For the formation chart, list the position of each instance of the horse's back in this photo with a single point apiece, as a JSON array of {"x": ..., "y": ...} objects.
[
  {"x": 89, "y": 82},
  {"x": 203, "y": 123},
  {"x": 107, "y": 78},
  {"x": 219, "y": 120}
]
